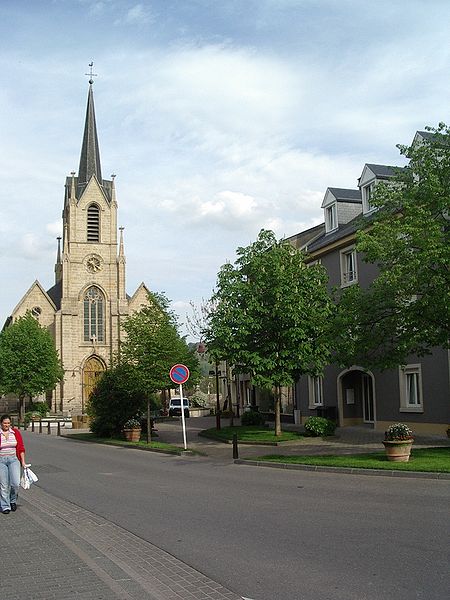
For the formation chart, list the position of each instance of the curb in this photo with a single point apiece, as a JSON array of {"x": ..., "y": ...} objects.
[
  {"x": 343, "y": 470},
  {"x": 180, "y": 452}
]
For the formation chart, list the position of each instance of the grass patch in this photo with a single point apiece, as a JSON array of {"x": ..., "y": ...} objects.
[
  {"x": 90, "y": 437},
  {"x": 436, "y": 460},
  {"x": 251, "y": 434}
]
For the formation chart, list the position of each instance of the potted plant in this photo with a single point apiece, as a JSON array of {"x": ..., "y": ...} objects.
[
  {"x": 132, "y": 430},
  {"x": 398, "y": 440}
]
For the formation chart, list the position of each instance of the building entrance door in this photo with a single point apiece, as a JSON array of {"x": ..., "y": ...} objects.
[{"x": 92, "y": 371}]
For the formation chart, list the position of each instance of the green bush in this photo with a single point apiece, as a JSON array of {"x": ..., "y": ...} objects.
[
  {"x": 252, "y": 417},
  {"x": 319, "y": 426},
  {"x": 117, "y": 397},
  {"x": 39, "y": 407}
]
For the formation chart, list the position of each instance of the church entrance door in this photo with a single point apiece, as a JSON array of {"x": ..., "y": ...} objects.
[{"x": 92, "y": 371}]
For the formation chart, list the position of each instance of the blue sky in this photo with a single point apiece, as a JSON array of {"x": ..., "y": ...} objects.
[{"x": 219, "y": 118}]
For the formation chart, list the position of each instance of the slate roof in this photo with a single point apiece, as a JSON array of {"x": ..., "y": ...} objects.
[
  {"x": 346, "y": 195},
  {"x": 299, "y": 240},
  {"x": 55, "y": 294},
  {"x": 334, "y": 236},
  {"x": 90, "y": 151},
  {"x": 382, "y": 171}
]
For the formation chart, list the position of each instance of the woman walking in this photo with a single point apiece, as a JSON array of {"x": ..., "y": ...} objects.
[{"x": 12, "y": 455}]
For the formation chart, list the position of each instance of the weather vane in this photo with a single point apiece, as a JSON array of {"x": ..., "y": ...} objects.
[{"x": 91, "y": 74}]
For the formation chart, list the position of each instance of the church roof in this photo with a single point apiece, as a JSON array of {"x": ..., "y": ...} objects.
[
  {"x": 90, "y": 151},
  {"x": 55, "y": 294}
]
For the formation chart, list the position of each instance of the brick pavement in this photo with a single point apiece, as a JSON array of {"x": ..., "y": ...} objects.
[{"x": 62, "y": 551}]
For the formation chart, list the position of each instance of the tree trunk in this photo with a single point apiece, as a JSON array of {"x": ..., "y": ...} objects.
[
  {"x": 277, "y": 410},
  {"x": 21, "y": 408},
  {"x": 149, "y": 423}
]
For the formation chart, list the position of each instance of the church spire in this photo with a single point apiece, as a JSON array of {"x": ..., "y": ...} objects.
[{"x": 90, "y": 152}]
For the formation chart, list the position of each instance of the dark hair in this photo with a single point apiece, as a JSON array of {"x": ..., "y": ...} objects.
[{"x": 4, "y": 417}]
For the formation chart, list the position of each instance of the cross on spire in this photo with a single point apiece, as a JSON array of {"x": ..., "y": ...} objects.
[{"x": 91, "y": 74}]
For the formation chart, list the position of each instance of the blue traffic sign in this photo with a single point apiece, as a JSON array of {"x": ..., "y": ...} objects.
[{"x": 179, "y": 374}]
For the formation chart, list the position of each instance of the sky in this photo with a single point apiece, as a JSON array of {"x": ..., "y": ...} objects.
[{"x": 219, "y": 118}]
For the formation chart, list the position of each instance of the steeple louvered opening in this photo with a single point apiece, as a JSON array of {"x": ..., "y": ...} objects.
[{"x": 93, "y": 223}]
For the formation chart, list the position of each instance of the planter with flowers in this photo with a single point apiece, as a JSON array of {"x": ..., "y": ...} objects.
[
  {"x": 398, "y": 440},
  {"x": 132, "y": 430}
]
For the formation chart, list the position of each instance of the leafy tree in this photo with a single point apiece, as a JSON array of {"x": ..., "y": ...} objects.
[
  {"x": 406, "y": 308},
  {"x": 270, "y": 315},
  {"x": 117, "y": 397},
  {"x": 29, "y": 362},
  {"x": 153, "y": 345}
]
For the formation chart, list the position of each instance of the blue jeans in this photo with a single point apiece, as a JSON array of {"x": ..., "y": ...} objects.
[{"x": 9, "y": 481}]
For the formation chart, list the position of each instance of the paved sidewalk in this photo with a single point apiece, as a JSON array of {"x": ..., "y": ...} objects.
[
  {"x": 62, "y": 551},
  {"x": 348, "y": 440}
]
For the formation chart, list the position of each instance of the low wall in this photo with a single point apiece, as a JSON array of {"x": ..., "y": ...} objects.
[{"x": 199, "y": 412}]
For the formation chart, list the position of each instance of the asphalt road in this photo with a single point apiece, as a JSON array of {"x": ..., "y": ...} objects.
[{"x": 267, "y": 534}]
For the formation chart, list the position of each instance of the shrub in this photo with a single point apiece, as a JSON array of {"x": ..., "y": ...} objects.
[
  {"x": 117, "y": 397},
  {"x": 132, "y": 424},
  {"x": 39, "y": 407},
  {"x": 252, "y": 417},
  {"x": 319, "y": 426}
]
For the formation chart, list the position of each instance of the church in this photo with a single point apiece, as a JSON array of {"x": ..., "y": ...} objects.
[{"x": 85, "y": 307}]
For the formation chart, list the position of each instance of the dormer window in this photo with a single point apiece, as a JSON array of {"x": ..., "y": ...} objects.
[
  {"x": 93, "y": 223},
  {"x": 367, "y": 195},
  {"x": 330, "y": 218}
]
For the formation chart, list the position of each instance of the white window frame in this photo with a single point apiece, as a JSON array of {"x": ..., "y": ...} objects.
[
  {"x": 367, "y": 194},
  {"x": 409, "y": 374},
  {"x": 315, "y": 391},
  {"x": 349, "y": 276},
  {"x": 331, "y": 222}
]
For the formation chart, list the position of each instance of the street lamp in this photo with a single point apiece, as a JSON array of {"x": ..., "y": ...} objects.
[{"x": 217, "y": 374}]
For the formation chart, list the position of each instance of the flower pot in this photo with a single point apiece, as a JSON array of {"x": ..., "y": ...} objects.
[
  {"x": 132, "y": 435},
  {"x": 398, "y": 450}
]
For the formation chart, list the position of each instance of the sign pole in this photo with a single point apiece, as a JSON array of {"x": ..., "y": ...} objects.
[
  {"x": 183, "y": 421},
  {"x": 180, "y": 374}
]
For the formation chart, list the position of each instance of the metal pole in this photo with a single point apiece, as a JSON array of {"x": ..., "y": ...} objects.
[
  {"x": 183, "y": 421},
  {"x": 59, "y": 427},
  {"x": 32, "y": 425},
  {"x": 235, "y": 446},
  {"x": 40, "y": 425},
  {"x": 48, "y": 428},
  {"x": 217, "y": 398}
]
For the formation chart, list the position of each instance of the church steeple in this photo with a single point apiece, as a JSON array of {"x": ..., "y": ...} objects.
[{"x": 90, "y": 152}]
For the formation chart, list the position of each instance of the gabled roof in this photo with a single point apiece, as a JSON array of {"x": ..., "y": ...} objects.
[
  {"x": 382, "y": 171},
  {"x": 346, "y": 195},
  {"x": 41, "y": 289}
]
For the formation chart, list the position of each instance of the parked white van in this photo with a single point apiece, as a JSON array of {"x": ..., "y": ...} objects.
[{"x": 175, "y": 406}]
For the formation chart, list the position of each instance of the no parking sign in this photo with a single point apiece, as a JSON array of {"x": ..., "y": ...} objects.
[{"x": 180, "y": 374}]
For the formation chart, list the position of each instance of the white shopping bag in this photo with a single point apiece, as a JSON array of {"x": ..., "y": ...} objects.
[{"x": 28, "y": 478}]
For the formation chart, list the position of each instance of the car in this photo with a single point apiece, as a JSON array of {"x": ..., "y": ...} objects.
[{"x": 175, "y": 406}]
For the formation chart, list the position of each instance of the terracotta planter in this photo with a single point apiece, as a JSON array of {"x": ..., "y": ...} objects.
[
  {"x": 398, "y": 450},
  {"x": 132, "y": 435}
]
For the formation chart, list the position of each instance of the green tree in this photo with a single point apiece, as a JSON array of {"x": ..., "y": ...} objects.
[
  {"x": 29, "y": 362},
  {"x": 270, "y": 315},
  {"x": 117, "y": 397},
  {"x": 405, "y": 310},
  {"x": 153, "y": 345}
]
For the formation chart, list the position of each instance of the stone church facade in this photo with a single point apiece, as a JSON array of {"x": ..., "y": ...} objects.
[{"x": 85, "y": 307}]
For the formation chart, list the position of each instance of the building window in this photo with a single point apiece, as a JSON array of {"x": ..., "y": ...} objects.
[
  {"x": 315, "y": 389},
  {"x": 349, "y": 273},
  {"x": 36, "y": 311},
  {"x": 330, "y": 218},
  {"x": 93, "y": 223},
  {"x": 411, "y": 389},
  {"x": 367, "y": 195},
  {"x": 94, "y": 315}
]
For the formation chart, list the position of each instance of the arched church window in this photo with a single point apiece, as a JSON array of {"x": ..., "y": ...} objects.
[
  {"x": 94, "y": 315},
  {"x": 93, "y": 223}
]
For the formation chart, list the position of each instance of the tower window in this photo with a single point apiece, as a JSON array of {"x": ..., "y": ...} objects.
[
  {"x": 93, "y": 223},
  {"x": 94, "y": 315}
]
